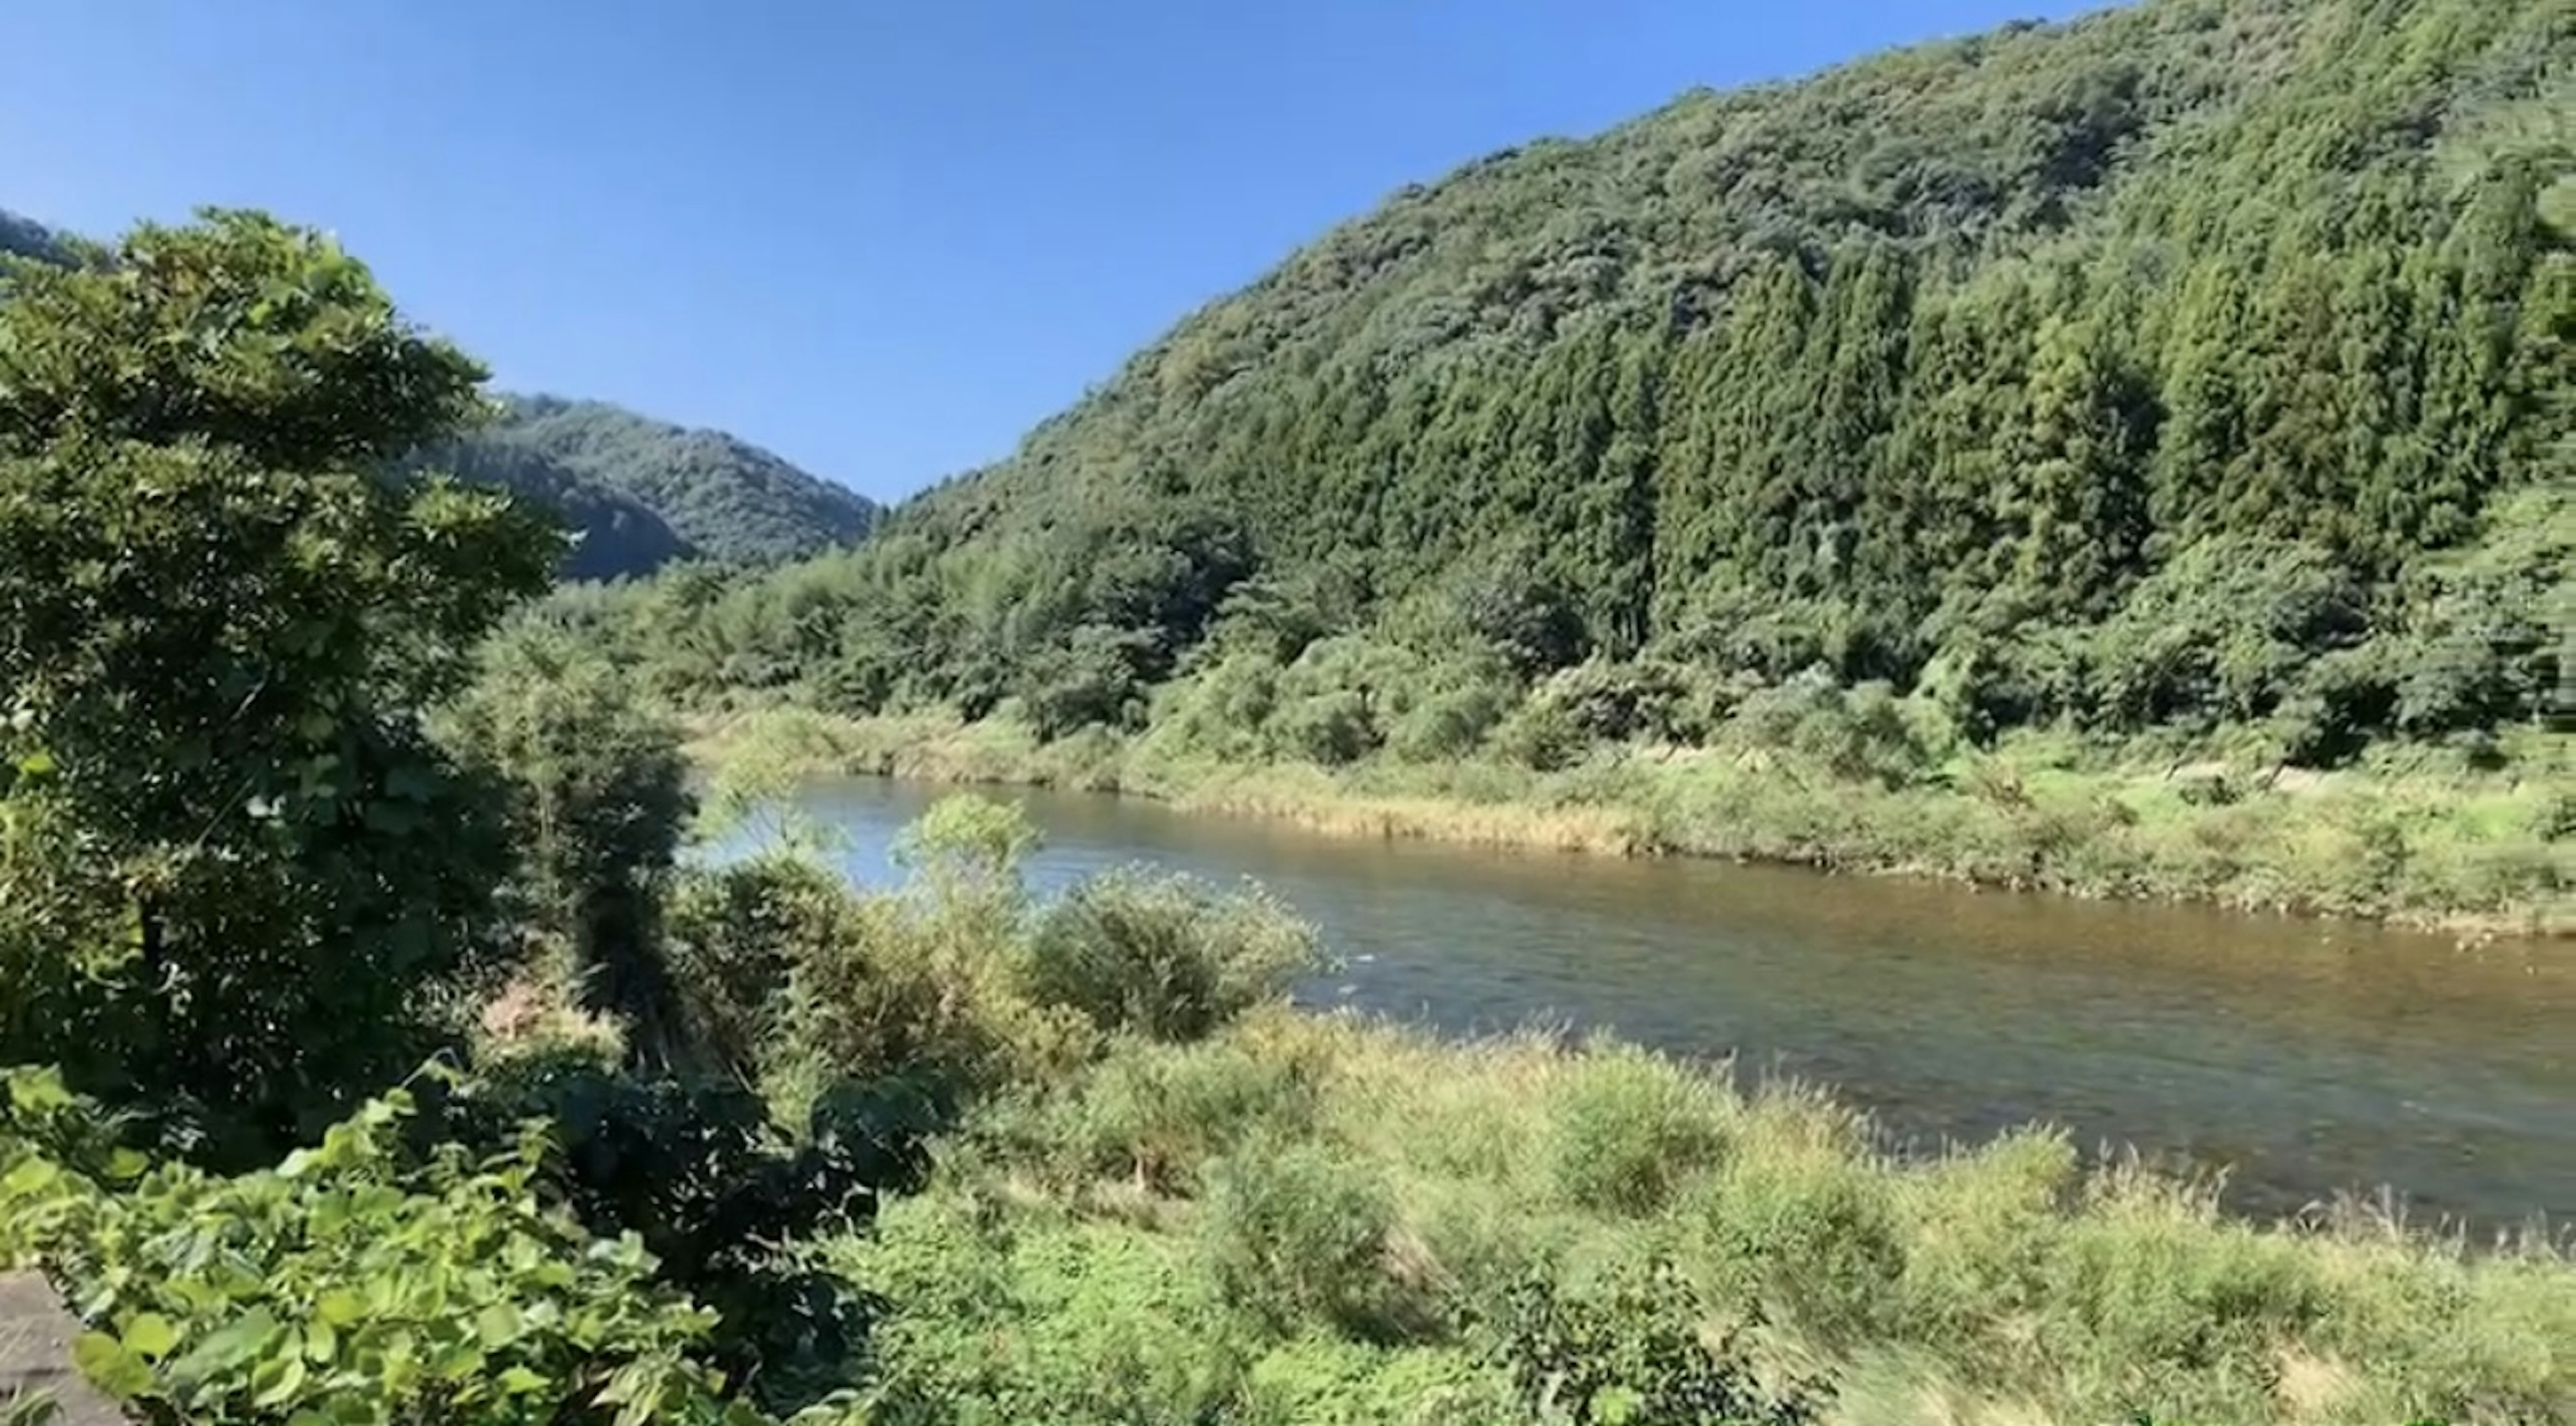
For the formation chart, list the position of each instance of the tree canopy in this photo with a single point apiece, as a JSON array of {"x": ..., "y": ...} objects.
[{"x": 231, "y": 861}]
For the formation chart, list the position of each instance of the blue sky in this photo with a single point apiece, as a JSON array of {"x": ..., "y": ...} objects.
[{"x": 882, "y": 239}]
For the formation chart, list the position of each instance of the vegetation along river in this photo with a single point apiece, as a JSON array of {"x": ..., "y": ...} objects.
[{"x": 2309, "y": 1057}]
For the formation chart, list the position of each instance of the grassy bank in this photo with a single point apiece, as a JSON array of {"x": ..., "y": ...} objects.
[
  {"x": 1171, "y": 1199},
  {"x": 1323, "y": 1221},
  {"x": 2477, "y": 853}
]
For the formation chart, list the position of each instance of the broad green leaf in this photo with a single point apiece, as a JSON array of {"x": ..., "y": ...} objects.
[
  {"x": 111, "y": 1366},
  {"x": 30, "y": 1178},
  {"x": 227, "y": 1348},
  {"x": 151, "y": 1336},
  {"x": 339, "y": 1307},
  {"x": 285, "y": 1377},
  {"x": 498, "y": 1325}
]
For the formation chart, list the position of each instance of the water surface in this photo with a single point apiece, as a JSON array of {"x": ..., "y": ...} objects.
[{"x": 2309, "y": 1058}]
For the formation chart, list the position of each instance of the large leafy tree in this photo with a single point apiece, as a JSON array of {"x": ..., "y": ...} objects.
[{"x": 234, "y": 871}]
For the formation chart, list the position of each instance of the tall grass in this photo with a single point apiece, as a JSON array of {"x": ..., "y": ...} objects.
[{"x": 1313, "y": 1210}]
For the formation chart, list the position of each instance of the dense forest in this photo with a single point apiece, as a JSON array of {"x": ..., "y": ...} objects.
[
  {"x": 2194, "y": 367},
  {"x": 375, "y": 1049},
  {"x": 642, "y": 493}
]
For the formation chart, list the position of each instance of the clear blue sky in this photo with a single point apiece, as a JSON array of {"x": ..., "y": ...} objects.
[{"x": 880, "y": 238}]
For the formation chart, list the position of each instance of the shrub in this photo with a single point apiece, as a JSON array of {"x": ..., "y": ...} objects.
[
  {"x": 735, "y": 936},
  {"x": 1541, "y": 736},
  {"x": 715, "y": 1190},
  {"x": 1611, "y": 701},
  {"x": 996, "y": 1322},
  {"x": 600, "y": 801},
  {"x": 1296, "y": 1236},
  {"x": 1158, "y": 1113},
  {"x": 1091, "y": 679},
  {"x": 807, "y": 984},
  {"x": 1164, "y": 956},
  {"x": 1322, "y": 1382},
  {"x": 1325, "y": 728},
  {"x": 2223, "y": 631},
  {"x": 1860, "y": 734},
  {"x": 1629, "y": 1127},
  {"x": 1449, "y": 723},
  {"x": 1633, "y": 1349},
  {"x": 1811, "y": 1234},
  {"x": 343, "y": 1285}
]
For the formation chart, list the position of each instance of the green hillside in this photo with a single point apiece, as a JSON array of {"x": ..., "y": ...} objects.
[
  {"x": 1974, "y": 436},
  {"x": 650, "y": 491},
  {"x": 2130, "y": 371}
]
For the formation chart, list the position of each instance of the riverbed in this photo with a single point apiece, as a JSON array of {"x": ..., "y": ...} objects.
[{"x": 2306, "y": 1059}]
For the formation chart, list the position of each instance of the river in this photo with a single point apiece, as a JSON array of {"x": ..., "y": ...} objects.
[{"x": 2307, "y": 1058}]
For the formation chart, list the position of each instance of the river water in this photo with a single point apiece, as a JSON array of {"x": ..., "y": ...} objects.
[{"x": 2306, "y": 1058}]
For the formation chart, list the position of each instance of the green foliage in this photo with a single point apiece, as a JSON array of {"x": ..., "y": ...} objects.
[
  {"x": 1154, "y": 1115},
  {"x": 600, "y": 802},
  {"x": 1859, "y": 734},
  {"x": 1300, "y": 1214},
  {"x": 232, "y": 862},
  {"x": 1632, "y": 1350},
  {"x": 1295, "y": 1234},
  {"x": 1163, "y": 957},
  {"x": 789, "y": 977},
  {"x": 994, "y": 1325},
  {"x": 2163, "y": 373},
  {"x": 1631, "y": 1128},
  {"x": 718, "y": 1193},
  {"x": 347, "y": 1284}
]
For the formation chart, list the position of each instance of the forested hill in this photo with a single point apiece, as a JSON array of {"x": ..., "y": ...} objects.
[
  {"x": 642, "y": 493},
  {"x": 2196, "y": 321},
  {"x": 647, "y": 492}
]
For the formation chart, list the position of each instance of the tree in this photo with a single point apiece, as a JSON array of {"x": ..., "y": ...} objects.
[
  {"x": 600, "y": 800},
  {"x": 233, "y": 867}
]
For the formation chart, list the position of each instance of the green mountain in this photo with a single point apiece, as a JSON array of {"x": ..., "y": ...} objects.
[
  {"x": 646, "y": 492},
  {"x": 642, "y": 493},
  {"x": 2138, "y": 369}
]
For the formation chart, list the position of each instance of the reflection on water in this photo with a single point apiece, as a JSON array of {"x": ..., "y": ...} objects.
[{"x": 2311, "y": 1057}]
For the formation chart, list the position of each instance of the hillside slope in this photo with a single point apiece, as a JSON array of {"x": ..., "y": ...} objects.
[
  {"x": 648, "y": 491},
  {"x": 2135, "y": 365}
]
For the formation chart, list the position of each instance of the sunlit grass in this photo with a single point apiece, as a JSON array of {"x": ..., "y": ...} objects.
[{"x": 1235, "y": 1205}]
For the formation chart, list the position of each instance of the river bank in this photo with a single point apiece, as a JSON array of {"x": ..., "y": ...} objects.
[
  {"x": 1171, "y": 1197},
  {"x": 2476, "y": 857}
]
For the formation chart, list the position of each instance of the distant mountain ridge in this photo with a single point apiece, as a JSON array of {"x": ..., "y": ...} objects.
[
  {"x": 25, "y": 237},
  {"x": 646, "y": 492},
  {"x": 641, "y": 492}
]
